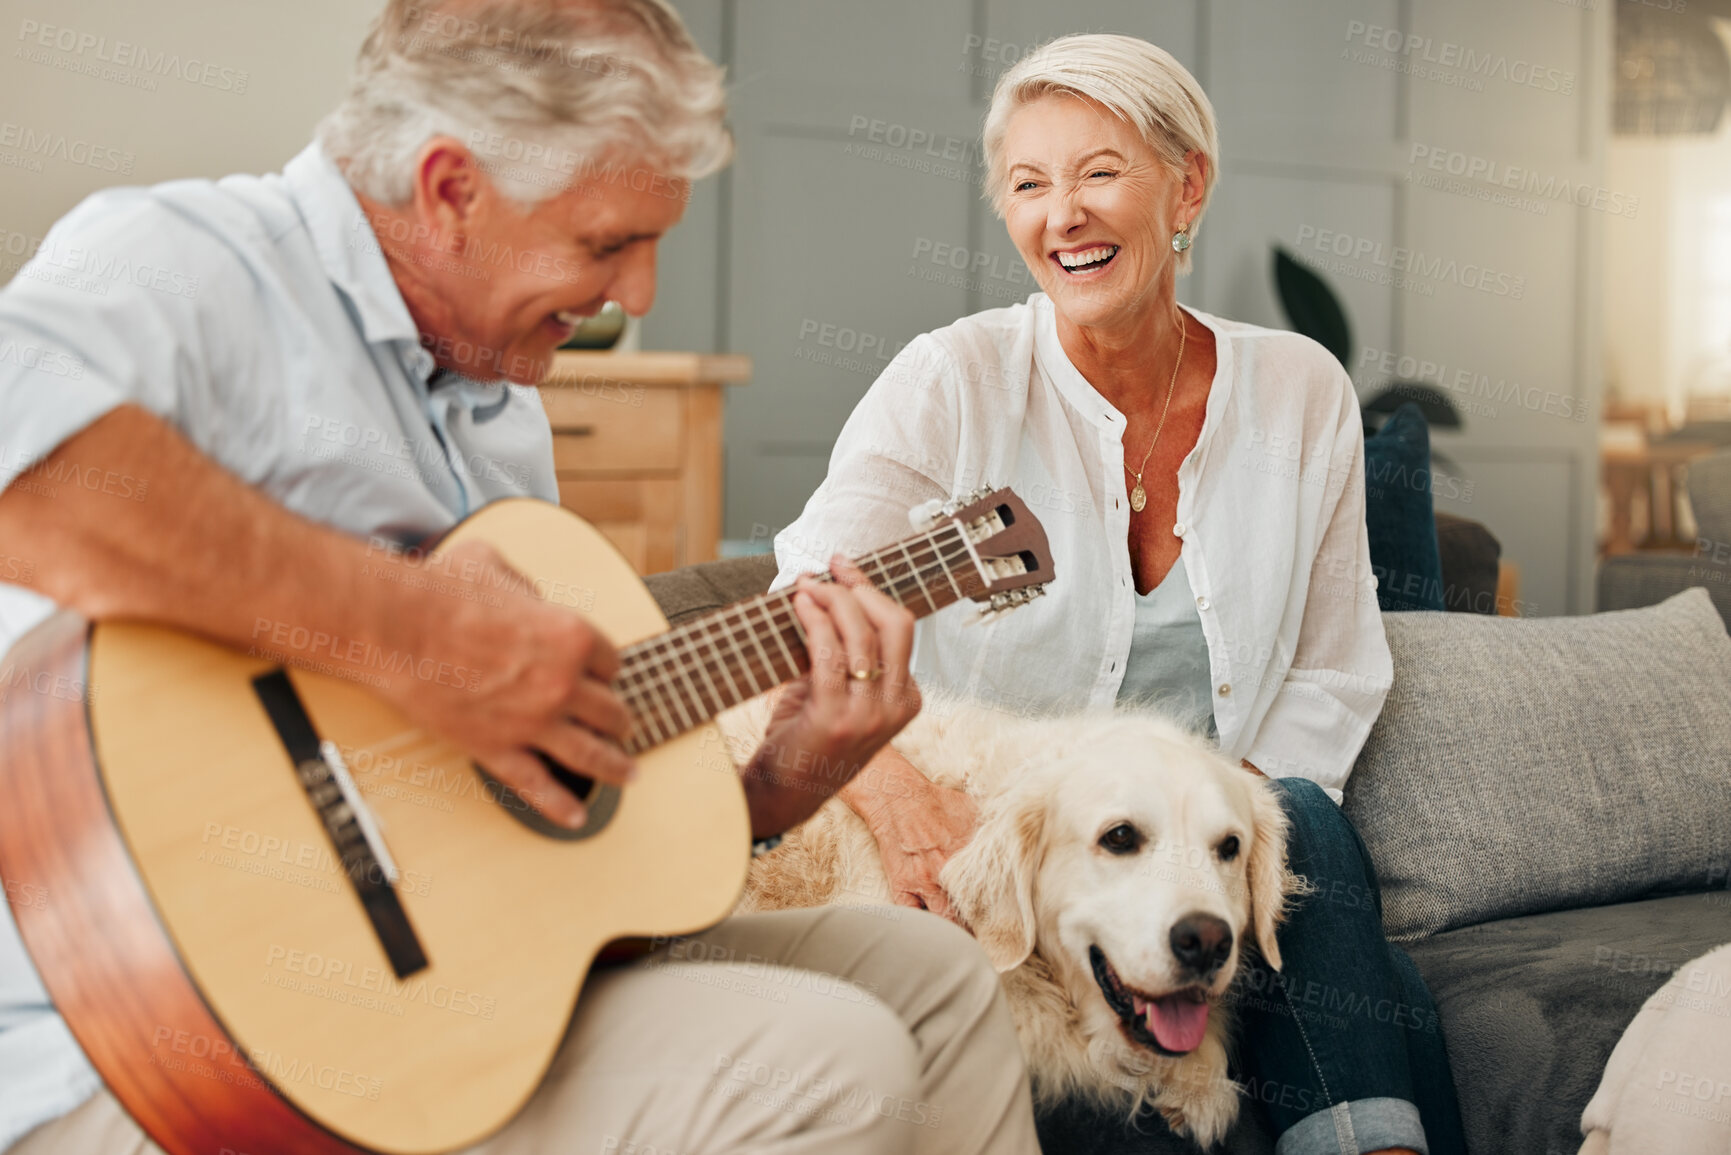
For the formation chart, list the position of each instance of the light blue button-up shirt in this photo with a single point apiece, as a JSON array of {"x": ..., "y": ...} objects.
[{"x": 258, "y": 316}]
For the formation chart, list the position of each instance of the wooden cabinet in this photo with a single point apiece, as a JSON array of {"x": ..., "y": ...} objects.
[{"x": 637, "y": 444}]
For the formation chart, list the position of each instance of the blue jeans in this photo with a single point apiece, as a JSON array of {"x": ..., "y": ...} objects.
[{"x": 1342, "y": 1049}]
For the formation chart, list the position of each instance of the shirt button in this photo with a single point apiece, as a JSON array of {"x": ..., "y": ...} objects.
[
  {"x": 1178, "y": 530},
  {"x": 1225, "y": 689},
  {"x": 1202, "y": 603}
]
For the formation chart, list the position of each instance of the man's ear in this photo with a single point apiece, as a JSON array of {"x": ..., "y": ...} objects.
[
  {"x": 990, "y": 881},
  {"x": 449, "y": 186},
  {"x": 1266, "y": 874}
]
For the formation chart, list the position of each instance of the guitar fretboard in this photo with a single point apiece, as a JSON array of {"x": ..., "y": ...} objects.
[{"x": 679, "y": 680}]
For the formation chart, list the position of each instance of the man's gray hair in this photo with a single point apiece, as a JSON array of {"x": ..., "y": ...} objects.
[
  {"x": 543, "y": 92},
  {"x": 1139, "y": 82}
]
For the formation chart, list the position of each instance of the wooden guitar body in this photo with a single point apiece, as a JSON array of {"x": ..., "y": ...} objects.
[
  {"x": 247, "y": 980},
  {"x": 284, "y": 977}
]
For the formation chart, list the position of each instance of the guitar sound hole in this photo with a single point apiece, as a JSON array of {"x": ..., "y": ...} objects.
[
  {"x": 576, "y": 783},
  {"x": 601, "y": 801}
]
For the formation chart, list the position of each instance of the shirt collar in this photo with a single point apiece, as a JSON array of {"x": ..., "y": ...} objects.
[
  {"x": 347, "y": 247},
  {"x": 1062, "y": 372}
]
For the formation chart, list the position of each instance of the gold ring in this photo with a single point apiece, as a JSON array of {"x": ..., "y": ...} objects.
[{"x": 871, "y": 675}]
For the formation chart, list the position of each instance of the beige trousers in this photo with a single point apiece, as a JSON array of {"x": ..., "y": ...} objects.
[{"x": 831, "y": 1030}]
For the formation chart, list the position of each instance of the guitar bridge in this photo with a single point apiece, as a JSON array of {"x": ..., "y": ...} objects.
[{"x": 348, "y": 822}]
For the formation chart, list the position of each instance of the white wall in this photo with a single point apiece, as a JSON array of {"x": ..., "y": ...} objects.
[{"x": 272, "y": 69}]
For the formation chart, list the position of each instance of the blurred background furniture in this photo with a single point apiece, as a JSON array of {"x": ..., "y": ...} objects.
[
  {"x": 637, "y": 442},
  {"x": 1642, "y": 579},
  {"x": 1475, "y": 578},
  {"x": 1648, "y": 476}
]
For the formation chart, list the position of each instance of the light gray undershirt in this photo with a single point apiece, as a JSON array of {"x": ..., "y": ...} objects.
[{"x": 1167, "y": 669}]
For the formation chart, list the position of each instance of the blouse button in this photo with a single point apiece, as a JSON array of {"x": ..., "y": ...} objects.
[
  {"x": 1178, "y": 530},
  {"x": 1202, "y": 603},
  {"x": 1225, "y": 689}
]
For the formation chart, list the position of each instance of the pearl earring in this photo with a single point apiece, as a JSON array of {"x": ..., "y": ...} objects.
[{"x": 1181, "y": 238}]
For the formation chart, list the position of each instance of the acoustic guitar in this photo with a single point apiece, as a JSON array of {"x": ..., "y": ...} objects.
[{"x": 280, "y": 919}]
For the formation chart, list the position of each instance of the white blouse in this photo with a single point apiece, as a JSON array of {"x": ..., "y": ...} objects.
[{"x": 1270, "y": 510}]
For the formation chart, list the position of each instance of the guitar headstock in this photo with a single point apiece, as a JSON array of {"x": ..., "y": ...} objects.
[{"x": 1009, "y": 542}]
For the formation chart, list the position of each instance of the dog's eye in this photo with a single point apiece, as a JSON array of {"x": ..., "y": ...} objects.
[
  {"x": 1121, "y": 839},
  {"x": 1228, "y": 849}
]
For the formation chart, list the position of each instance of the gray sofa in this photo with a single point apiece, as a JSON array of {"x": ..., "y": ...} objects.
[{"x": 1548, "y": 804}]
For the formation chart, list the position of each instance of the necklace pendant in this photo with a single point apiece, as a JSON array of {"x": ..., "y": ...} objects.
[{"x": 1138, "y": 498}]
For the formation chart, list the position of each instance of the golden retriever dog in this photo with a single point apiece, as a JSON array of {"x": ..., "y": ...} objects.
[{"x": 1120, "y": 870}]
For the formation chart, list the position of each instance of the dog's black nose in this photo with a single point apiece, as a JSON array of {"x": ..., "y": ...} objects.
[{"x": 1201, "y": 943}]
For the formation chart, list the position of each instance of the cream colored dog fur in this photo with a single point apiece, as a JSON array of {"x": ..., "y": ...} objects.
[{"x": 1047, "y": 881}]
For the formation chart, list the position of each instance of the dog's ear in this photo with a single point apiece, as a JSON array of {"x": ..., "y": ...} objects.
[
  {"x": 1265, "y": 872},
  {"x": 991, "y": 879}
]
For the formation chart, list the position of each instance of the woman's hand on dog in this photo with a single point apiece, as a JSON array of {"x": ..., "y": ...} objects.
[
  {"x": 857, "y": 695},
  {"x": 918, "y": 825}
]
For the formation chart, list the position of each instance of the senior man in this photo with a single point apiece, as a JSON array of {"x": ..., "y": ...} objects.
[{"x": 346, "y": 351}]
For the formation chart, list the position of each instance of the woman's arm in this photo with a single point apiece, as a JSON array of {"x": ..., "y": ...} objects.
[
  {"x": 1341, "y": 670},
  {"x": 918, "y": 825},
  {"x": 897, "y": 451}
]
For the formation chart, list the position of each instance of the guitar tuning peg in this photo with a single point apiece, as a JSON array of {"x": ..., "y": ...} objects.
[{"x": 924, "y": 514}]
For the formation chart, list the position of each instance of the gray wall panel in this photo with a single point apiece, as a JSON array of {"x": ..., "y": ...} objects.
[{"x": 857, "y": 188}]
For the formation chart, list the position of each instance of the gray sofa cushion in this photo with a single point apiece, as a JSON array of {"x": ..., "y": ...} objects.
[
  {"x": 1469, "y": 553},
  {"x": 1531, "y": 1007},
  {"x": 704, "y": 588},
  {"x": 1645, "y": 579},
  {"x": 1710, "y": 498},
  {"x": 1530, "y": 765}
]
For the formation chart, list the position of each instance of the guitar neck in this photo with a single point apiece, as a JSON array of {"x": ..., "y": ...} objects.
[{"x": 681, "y": 679}]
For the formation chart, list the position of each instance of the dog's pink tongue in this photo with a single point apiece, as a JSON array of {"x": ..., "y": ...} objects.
[{"x": 1178, "y": 1024}]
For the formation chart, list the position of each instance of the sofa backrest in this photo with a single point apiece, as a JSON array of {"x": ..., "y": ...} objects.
[
  {"x": 706, "y": 587},
  {"x": 1710, "y": 496},
  {"x": 1528, "y": 765}
]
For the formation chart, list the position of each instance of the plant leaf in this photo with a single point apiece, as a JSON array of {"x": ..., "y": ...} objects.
[
  {"x": 1439, "y": 411},
  {"x": 1311, "y": 306}
]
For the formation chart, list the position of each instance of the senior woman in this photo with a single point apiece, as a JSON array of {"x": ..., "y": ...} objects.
[{"x": 1201, "y": 482}]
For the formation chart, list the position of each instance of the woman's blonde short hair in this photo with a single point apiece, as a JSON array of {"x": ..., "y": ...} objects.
[{"x": 1138, "y": 81}]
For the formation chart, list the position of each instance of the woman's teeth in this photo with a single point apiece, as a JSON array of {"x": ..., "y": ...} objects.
[
  {"x": 1088, "y": 258},
  {"x": 567, "y": 317}
]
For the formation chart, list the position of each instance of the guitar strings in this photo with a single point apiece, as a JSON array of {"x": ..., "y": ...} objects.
[
  {"x": 655, "y": 667},
  {"x": 683, "y": 643},
  {"x": 674, "y": 651}
]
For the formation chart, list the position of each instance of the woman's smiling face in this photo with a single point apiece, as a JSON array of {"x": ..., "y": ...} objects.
[{"x": 1091, "y": 208}]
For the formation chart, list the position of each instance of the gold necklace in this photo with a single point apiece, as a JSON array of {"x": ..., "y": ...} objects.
[{"x": 1139, "y": 496}]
